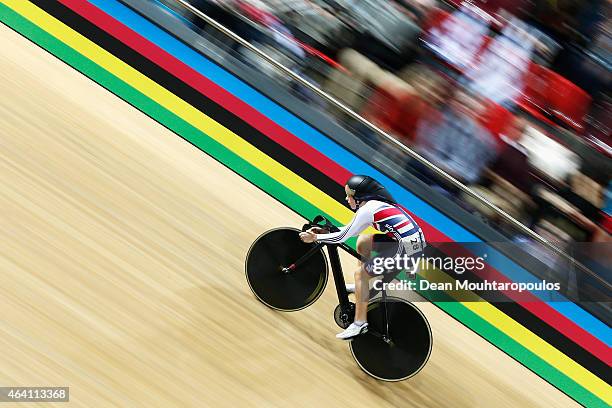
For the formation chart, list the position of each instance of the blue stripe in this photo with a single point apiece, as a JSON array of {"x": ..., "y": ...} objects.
[
  {"x": 342, "y": 156},
  {"x": 409, "y": 232},
  {"x": 392, "y": 221}
]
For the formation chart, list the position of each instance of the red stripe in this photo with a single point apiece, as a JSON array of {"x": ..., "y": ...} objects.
[
  {"x": 304, "y": 151},
  {"x": 529, "y": 301},
  {"x": 210, "y": 89},
  {"x": 402, "y": 224},
  {"x": 388, "y": 212}
]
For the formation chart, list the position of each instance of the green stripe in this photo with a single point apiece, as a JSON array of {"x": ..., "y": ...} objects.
[
  {"x": 275, "y": 189},
  {"x": 514, "y": 348},
  {"x": 157, "y": 112}
]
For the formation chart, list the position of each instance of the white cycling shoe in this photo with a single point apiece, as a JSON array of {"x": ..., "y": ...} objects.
[
  {"x": 350, "y": 288},
  {"x": 352, "y": 331}
]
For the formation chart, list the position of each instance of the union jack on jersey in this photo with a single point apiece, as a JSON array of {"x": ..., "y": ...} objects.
[
  {"x": 385, "y": 217},
  {"x": 394, "y": 221}
]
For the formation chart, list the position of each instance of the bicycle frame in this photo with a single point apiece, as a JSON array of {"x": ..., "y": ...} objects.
[
  {"x": 334, "y": 260},
  {"x": 336, "y": 267}
]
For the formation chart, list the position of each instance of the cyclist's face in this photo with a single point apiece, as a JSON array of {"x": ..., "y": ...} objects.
[{"x": 350, "y": 199}]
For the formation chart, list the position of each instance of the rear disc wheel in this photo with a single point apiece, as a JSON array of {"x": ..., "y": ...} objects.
[{"x": 407, "y": 349}]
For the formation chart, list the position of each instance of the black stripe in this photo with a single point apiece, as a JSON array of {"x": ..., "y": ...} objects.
[
  {"x": 195, "y": 98},
  {"x": 314, "y": 176},
  {"x": 556, "y": 339},
  {"x": 407, "y": 180},
  {"x": 538, "y": 326}
]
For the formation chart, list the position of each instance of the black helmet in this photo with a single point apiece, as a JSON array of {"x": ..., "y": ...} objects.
[{"x": 366, "y": 188}]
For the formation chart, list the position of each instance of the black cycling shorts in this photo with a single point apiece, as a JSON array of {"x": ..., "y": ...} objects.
[{"x": 385, "y": 247}]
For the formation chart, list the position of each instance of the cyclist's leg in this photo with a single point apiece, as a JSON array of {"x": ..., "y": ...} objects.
[
  {"x": 364, "y": 247},
  {"x": 383, "y": 247},
  {"x": 362, "y": 292}
]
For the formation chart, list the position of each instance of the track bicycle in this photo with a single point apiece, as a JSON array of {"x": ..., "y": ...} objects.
[{"x": 287, "y": 274}]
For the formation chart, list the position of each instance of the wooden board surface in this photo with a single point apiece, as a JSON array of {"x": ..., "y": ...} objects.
[{"x": 121, "y": 272}]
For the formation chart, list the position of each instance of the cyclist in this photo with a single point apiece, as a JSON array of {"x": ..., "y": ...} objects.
[{"x": 374, "y": 207}]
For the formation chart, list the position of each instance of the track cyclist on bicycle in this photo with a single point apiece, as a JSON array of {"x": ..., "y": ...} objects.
[{"x": 401, "y": 236}]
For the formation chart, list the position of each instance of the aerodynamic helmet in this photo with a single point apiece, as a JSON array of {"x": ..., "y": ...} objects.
[{"x": 366, "y": 188}]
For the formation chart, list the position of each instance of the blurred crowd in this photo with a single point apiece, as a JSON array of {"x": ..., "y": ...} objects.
[{"x": 510, "y": 97}]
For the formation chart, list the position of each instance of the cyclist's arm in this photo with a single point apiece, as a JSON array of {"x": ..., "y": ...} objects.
[{"x": 363, "y": 218}]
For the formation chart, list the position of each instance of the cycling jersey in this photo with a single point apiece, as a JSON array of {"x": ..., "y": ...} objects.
[{"x": 388, "y": 218}]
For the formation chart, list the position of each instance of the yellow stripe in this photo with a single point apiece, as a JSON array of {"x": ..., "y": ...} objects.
[
  {"x": 181, "y": 108},
  {"x": 543, "y": 350},
  {"x": 283, "y": 176},
  {"x": 524, "y": 336}
]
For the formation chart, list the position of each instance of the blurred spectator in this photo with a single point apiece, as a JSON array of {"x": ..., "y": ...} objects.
[
  {"x": 550, "y": 158},
  {"x": 313, "y": 24},
  {"x": 457, "y": 142},
  {"x": 228, "y": 13},
  {"x": 456, "y": 38},
  {"x": 589, "y": 66},
  {"x": 607, "y": 207},
  {"x": 498, "y": 73},
  {"x": 507, "y": 183},
  {"x": 390, "y": 38},
  {"x": 397, "y": 106},
  {"x": 599, "y": 129},
  {"x": 512, "y": 165},
  {"x": 497, "y": 55},
  {"x": 352, "y": 86}
]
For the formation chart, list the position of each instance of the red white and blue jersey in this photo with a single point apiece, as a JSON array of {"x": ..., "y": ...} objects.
[
  {"x": 394, "y": 221},
  {"x": 385, "y": 217}
]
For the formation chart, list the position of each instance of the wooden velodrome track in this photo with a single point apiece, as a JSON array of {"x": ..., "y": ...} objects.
[{"x": 121, "y": 272}]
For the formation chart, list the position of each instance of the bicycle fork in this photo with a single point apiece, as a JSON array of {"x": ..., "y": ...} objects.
[{"x": 302, "y": 259}]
